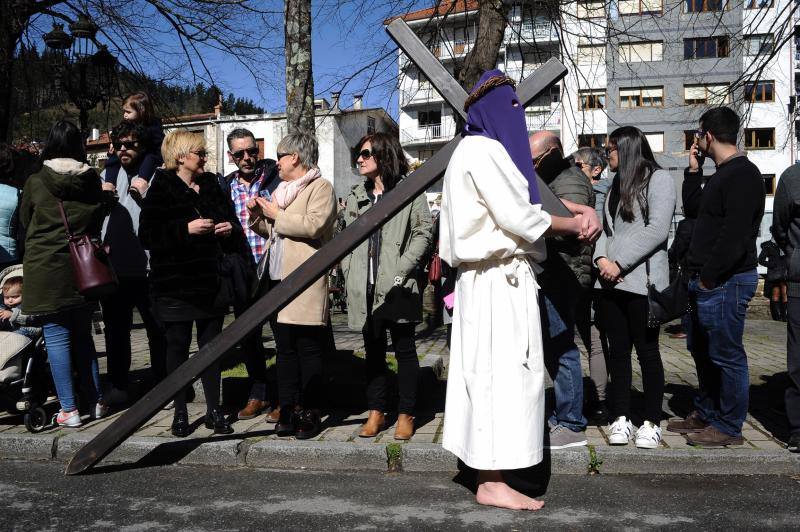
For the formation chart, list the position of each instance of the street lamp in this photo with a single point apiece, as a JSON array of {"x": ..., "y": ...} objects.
[{"x": 83, "y": 70}]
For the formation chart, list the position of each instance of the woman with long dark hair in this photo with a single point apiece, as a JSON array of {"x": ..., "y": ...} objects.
[
  {"x": 50, "y": 291},
  {"x": 631, "y": 255},
  {"x": 381, "y": 276}
]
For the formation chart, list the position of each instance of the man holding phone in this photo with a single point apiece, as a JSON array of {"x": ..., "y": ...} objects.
[
  {"x": 722, "y": 261},
  {"x": 253, "y": 178}
]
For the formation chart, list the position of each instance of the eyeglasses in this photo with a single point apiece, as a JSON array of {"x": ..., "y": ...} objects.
[
  {"x": 699, "y": 133},
  {"x": 202, "y": 154},
  {"x": 252, "y": 152},
  {"x": 130, "y": 144},
  {"x": 608, "y": 151},
  {"x": 365, "y": 154},
  {"x": 282, "y": 155}
]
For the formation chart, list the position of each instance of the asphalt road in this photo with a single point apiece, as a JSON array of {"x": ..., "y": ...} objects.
[{"x": 36, "y": 496}]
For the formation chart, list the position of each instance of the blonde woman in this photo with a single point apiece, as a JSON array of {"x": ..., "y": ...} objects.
[{"x": 187, "y": 223}]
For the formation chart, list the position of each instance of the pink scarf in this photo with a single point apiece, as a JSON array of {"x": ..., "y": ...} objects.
[{"x": 287, "y": 191}]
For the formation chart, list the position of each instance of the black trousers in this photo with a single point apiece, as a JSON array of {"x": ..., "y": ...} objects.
[
  {"x": 405, "y": 351},
  {"x": 299, "y": 364},
  {"x": 179, "y": 338},
  {"x": 793, "y": 364},
  {"x": 625, "y": 319},
  {"x": 118, "y": 319},
  {"x": 255, "y": 358}
]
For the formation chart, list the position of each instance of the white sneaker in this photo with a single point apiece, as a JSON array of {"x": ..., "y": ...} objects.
[
  {"x": 621, "y": 430},
  {"x": 648, "y": 436},
  {"x": 101, "y": 410},
  {"x": 69, "y": 419}
]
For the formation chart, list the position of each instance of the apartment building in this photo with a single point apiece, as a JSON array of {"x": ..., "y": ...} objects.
[{"x": 655, "y": 64}]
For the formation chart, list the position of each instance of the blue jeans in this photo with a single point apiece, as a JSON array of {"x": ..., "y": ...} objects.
[
  {"x": 561, "y": 355},
  {"x": 715, "y": 340},
  {"x": 68, "y": 338}
]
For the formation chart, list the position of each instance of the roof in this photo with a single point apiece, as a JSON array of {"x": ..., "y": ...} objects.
[
  {"x": 102, "y": 140},
  {"x": 444, "y": 7},
  {"x": 190, "y": 118}
]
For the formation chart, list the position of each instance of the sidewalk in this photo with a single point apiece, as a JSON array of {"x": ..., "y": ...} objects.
[{"x": 339, "y": 447}]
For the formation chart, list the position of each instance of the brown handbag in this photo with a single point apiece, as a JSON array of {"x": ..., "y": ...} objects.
[{"x": 94, "y": 275}]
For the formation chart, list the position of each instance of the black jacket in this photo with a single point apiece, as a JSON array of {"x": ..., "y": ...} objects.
[
  {"x": 786, "y": 224},
  {"x": 185, "y": 266},
  {"x": 728, "y": 212},
  {"x": 264, "y": 167}
]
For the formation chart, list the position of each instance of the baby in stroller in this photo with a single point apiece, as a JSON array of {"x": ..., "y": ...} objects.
[
  {"x": 22, "y": 356},
  {"x": 11, "y": 316}
]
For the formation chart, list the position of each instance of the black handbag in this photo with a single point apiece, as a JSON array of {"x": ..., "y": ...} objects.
[{"x": 668, "y": 304}]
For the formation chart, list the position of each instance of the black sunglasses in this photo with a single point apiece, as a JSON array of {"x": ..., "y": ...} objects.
[
  {"x": 202, "y": 154},
  {"x": 130, "y": 144},
  {"x": 252, "y": 152},
  {"x": 365, "y": 154},
  {"x": 282, "y": 155}
]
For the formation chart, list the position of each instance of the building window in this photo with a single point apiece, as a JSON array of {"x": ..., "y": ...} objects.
[
  {"x": 760, "y": 44},
  {"x": 638, "y": 52},
  {"x": 688, "y": 139},
  {"x": 656, "y": 141},
  {"x": 758, "y": 4},
  {"x": 555, "y": 94},
  {"x": 703, "y": 6},
  {"x": 706, "y": 94},
  {"x": 591, "y": 54},
  {"x": 592, "y": 99},
  {"x": 641, "y": 97},
  {"x": 430, "y": 118},
  {"x": 706, "y": 47},
  {"x": 593, "y": 140},
  {"x": 370, "y": 125},
  {"x": 424, "y": 155},
  {"x": 591, "y": 9},
  {"x": 640, "y": 7},
  {"x": 769, "y": 184},
  {"x": 760, "y": 91},
  {"x": 759, "y": 138}
]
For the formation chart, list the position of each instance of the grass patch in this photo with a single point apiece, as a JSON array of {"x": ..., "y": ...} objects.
[
  {"x": 240, "y": 370},
  {"x": 594, "y": 461},
  {"x": 394, "y": 457}
]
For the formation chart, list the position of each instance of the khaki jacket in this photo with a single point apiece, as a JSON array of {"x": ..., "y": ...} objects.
[
  {"x": 306, "y": 225},
  {"x": 405, "y": 240}
]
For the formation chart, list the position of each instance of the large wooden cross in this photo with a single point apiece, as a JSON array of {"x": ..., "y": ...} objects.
[{"x": 322, "y": 261}]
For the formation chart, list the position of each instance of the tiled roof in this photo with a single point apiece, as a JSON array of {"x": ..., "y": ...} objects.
[
  {"x": 443, "y": 8},
  {"x": 190, "y": 118}
]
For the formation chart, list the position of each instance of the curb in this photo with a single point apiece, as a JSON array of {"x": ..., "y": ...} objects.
[{"x": 414, "y": 457}]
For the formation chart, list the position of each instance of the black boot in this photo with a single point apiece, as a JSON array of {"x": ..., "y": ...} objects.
[
  {"x": 309, "y": 425},
  {"x": 287, "y": 423},
  {"x": 216, "y": 420},
  {"x": 180, "y": 424}
]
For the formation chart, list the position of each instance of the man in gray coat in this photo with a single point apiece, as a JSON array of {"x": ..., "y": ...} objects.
[
  {"x": 786, "y": 231},
  {"x": 567, "y": 273}
]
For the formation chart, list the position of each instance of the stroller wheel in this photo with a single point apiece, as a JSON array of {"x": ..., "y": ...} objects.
[{"x": 36, "y": 420}]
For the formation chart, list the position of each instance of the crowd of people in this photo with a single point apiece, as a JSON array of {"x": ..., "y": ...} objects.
[{"x": 516, "y": 282}]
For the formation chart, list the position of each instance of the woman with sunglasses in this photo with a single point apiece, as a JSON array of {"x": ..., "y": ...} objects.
[
  {"x": 381, "y": 277},
  {"x": 298, "y": 220},
  {"x": 631, "y": 255},
  {"x": 187, "y": 223}
]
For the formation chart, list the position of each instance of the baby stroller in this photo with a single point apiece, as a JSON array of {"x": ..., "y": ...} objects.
[{"x": 24, "y": 379}]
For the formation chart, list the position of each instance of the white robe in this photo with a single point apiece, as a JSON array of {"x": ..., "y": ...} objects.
[{"x": 494, "y": 414}]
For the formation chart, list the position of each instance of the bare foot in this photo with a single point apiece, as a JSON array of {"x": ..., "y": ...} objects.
[{"x": 493, "y": 491}]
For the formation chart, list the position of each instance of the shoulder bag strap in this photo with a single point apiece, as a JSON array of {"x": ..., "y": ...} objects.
[{"x": 64, "y": 218}]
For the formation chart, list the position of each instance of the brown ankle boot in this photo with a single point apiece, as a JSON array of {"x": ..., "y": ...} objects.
[
  {"x": 374, "y": 424},
  {"x": 405, "y": 427}
]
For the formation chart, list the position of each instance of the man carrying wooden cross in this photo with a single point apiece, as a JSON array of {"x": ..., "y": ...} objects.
[{"x": 492, "y": 229}]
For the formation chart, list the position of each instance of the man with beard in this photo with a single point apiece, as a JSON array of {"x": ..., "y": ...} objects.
[
  {"x": 253, "y": 178},
  {"x": 567, "y": 273},
  {"x": 130, "y": 262}
]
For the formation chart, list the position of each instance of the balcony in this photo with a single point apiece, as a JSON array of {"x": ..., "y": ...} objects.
[
  {"x": 430, "y": 134},
  {"x": 540, "y": 120},
  {"x": 418, "y": 96},
  {"x": 531, "y": 31}
]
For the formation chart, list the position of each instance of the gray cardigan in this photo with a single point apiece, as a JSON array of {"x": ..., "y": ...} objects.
[{"x": 631, "y": 243}]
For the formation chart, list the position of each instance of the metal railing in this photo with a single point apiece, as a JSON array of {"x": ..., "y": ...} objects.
[
  {"x": 543, "y": 120},
  {"x": 428, "y": 133},
  {"x": 418, "y": 95},
  {"x": 531, "y": 30}
]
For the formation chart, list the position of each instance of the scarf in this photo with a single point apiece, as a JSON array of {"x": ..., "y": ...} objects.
[{"x": 287, "y": 191}]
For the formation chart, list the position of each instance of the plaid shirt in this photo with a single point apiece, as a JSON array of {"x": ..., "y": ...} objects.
[{"x": 240, "y": 193}]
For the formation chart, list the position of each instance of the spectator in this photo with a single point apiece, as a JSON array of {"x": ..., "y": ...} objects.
[
  {"x": 11, "y": 316},
  {"x": 566, "y": 277},
  {"x": 631, "y": 255},
  {"x": 588, "y": 323},
  {"x": 786, "y": 231},
  {"x": 9, "y": 209},
  {"x": 775, "y": 289},
  {"x": 381, "y": 276},
  {"x": 252, "y": 178},
  {"x": 187, "y": 224},
  {"x": 722, "y": 264},
  {"x": 297, "y": 221},
  {"x": 120, "y": 232},
  {"x": 50, "y": 290}
]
